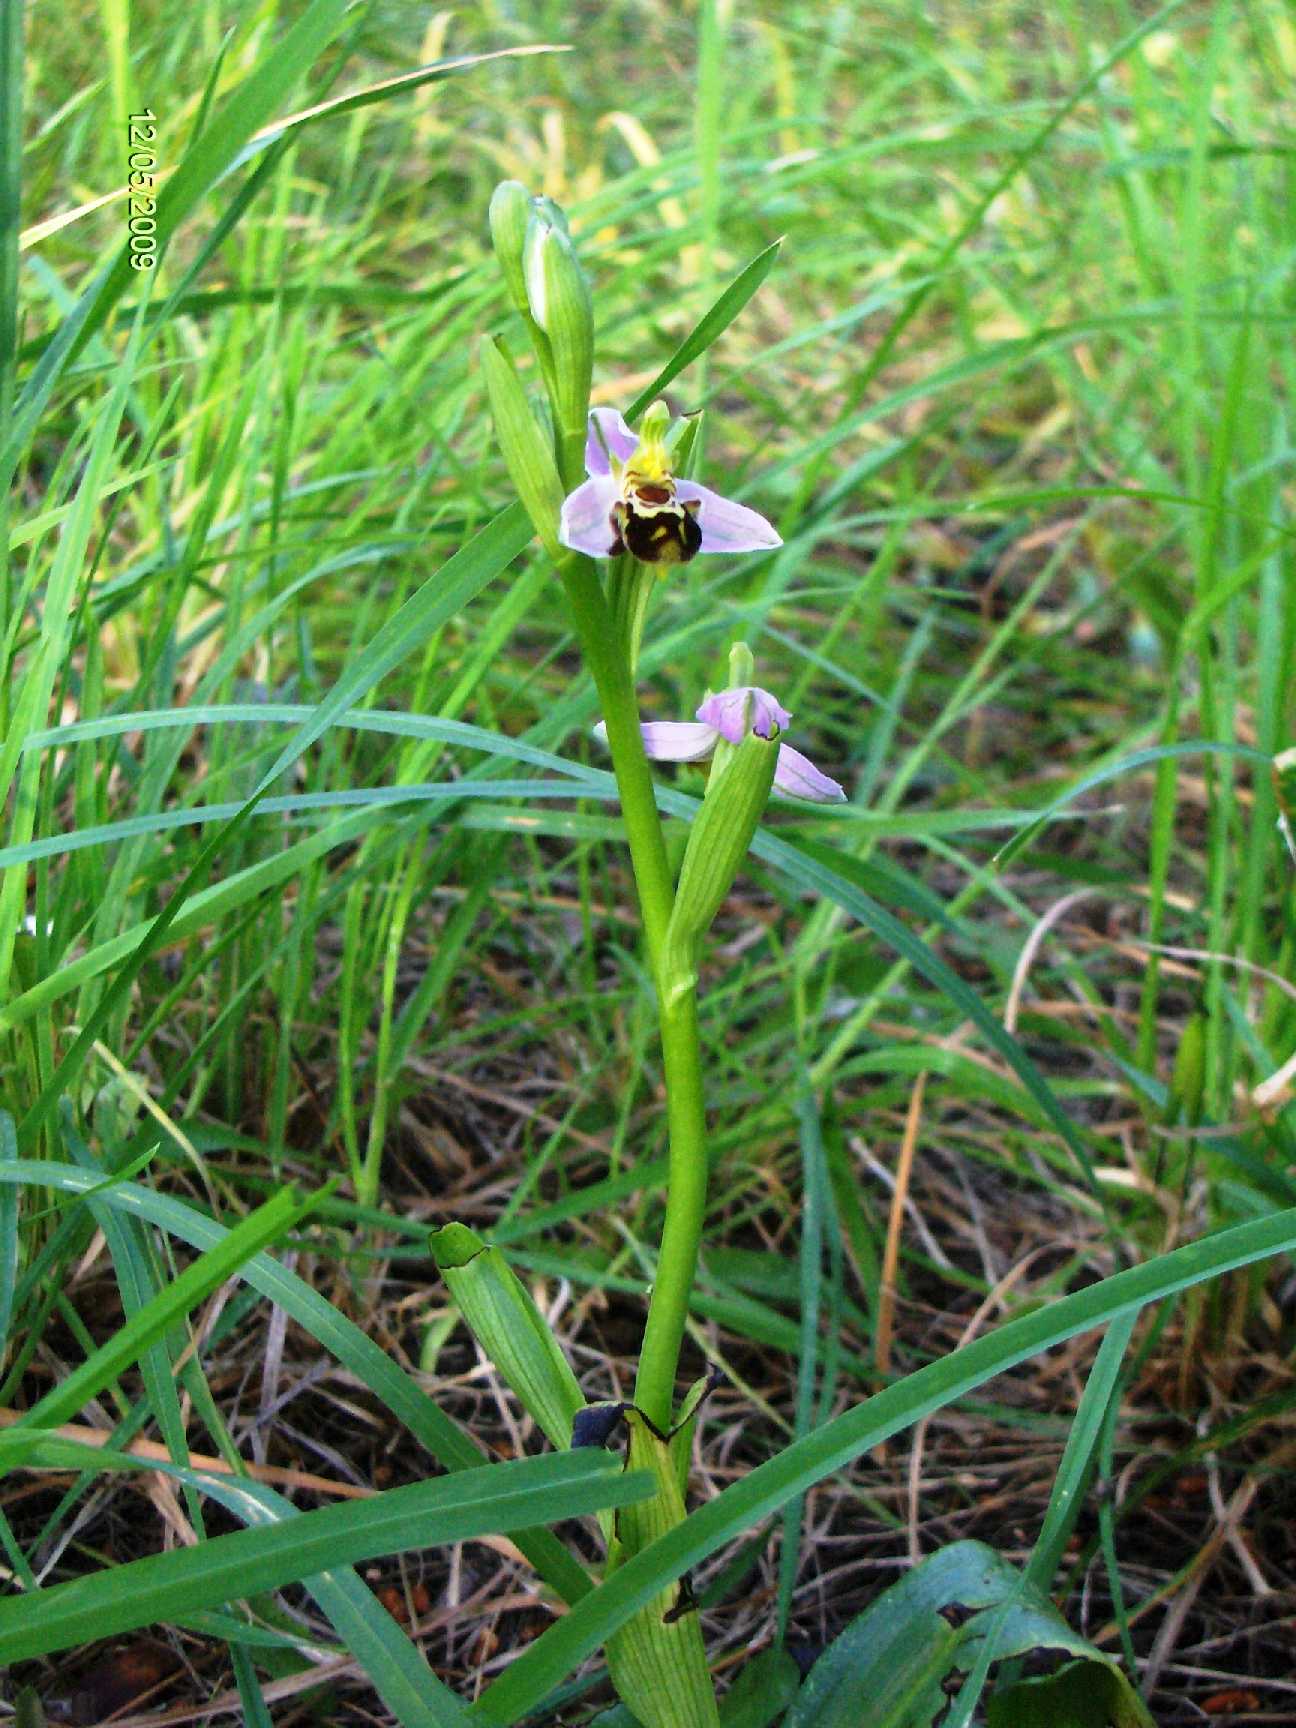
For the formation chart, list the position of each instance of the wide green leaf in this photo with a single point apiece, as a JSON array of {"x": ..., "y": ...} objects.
[
  {"x": 165, "y": 1587},
  {"x": 1090, "y": 1692},
  {"x": 962, "y": 1607}
]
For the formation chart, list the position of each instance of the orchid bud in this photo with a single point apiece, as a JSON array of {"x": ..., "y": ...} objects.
[
  {"x": 527, "y": 450},
  {"x": 497, "y": 1309},
  {"x": 510, "y": 211},
  {"x": 559, "y": 299},
  {"x": 550, "y": 213}
]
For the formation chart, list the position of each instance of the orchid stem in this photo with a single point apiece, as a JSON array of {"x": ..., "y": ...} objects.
[
  {"x": 685, "y": 1208},
  {"x": 605, "y": 653}
]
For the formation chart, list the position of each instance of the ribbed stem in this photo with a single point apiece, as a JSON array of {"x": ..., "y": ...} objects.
[
  {"x": 685, "y": 1208},
  {"x": 681, "y": 1054}
]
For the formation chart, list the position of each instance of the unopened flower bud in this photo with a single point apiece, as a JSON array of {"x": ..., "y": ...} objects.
[
  {"x": 510, "y": 211},
  {"x": 560, "y": 303},
  {"x": 550, "y": 213}
]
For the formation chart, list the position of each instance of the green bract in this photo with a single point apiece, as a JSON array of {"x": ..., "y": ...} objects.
[
  {"x": 497, "y": 1309},
  {"x": 736, "y": 796},
  {"x": 527, "y": 451},
  {"x": 656, "y": 1659}
]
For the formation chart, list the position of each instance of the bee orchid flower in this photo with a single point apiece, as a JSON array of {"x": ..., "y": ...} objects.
[
  {"x": 731, "y": 715},
  {"x": 632, "y": 502}
]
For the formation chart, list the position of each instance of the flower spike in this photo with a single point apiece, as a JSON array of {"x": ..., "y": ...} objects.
[{"x": 632, "y": 501}]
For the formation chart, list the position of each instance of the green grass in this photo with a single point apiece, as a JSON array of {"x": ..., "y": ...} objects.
[{"x": 1017, "y": 393}]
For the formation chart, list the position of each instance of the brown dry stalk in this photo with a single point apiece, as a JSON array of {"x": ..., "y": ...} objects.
[
  {"x": 153, "y": 1449},
  {"x": 895, "y": 1224}
]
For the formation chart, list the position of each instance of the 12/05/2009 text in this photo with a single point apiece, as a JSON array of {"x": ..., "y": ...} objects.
[{"x": 141, "y": 160}]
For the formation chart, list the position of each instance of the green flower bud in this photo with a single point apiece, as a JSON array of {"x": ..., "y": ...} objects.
[
  {"x": 527, "y": 450},
  {"x": 656, "y": 1659},
  {"x": 549, "y": 212},
  {"x": 510, "y": 211},
  {"x": 498, "y": 1311},
  {"x": 559, "y": 298}
]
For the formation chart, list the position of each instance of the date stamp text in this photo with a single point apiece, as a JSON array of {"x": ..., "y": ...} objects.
[{"x": 141, "y": 160}]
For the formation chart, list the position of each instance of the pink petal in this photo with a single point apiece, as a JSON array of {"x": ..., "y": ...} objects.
[
  {"x": 677, "y": 740},
  {"x": 617, "y": 436},
  {"x": 726, "y": 526},
  {"x": 671, "y": 740},
  {"x": 748, "y": 708},
  {"x": 796, "y": 775},
  {"x": 586, "y": 521}
]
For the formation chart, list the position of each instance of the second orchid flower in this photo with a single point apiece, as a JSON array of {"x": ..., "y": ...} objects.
[{"x": 731, "y": 715}]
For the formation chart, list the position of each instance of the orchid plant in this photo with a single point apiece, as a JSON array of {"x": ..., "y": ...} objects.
[{"x": 615, "y": 508}]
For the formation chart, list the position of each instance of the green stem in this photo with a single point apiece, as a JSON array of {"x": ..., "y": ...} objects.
[
  {"x": 620, "y": 711},
  {"x": 685, "y": 1209},
  {"x": 677, "y": 1001}
]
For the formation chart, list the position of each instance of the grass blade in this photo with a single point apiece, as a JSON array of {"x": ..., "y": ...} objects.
[
  {"x": 267, "y": 1224},
  {"x": 163, "y": 1587},
  {"x": 712, "y": 325},
  {"x": 331, "y": 1329}
]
